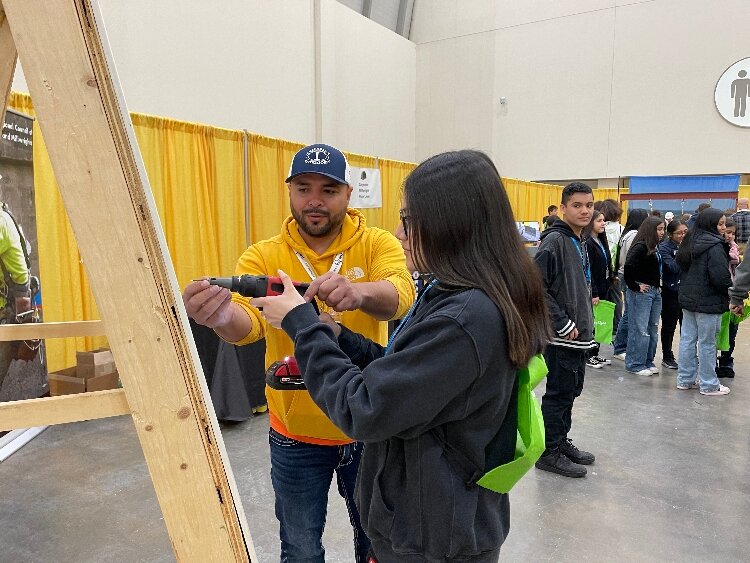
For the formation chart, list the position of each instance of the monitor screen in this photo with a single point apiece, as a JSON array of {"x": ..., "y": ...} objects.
[{"x": 529, "y": 230}]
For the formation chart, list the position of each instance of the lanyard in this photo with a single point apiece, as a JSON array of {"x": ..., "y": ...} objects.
[
  {"x": 408, "y": 316},
  {"x": 584, "y": 259},
  {"x": 658, "y": 259},
  {"x": 338, "y": 260}
]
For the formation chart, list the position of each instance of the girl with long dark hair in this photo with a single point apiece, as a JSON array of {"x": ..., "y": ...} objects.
[
  {"x": 643, "y": 273},
  {"x": 600, "y": 262},
  {"x": 670, "y": 305},
  {"x": 635, "y": 218},
  {"x": 448, "y": 376},
  {"x": 703, "y": 258}
]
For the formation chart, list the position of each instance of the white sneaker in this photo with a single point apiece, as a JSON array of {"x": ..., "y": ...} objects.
[
  {"x": 693, "y": 385},
  {"x": 720, "y": 391},
  {"x": 654, "y": 370},
  {"x": 643, "y": 372},
  {"x": 619, "y": 356}
]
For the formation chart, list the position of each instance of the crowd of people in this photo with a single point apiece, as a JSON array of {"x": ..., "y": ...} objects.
[
  {"x": 676, "y": 270},
  {"x": 409, "y": 424}
]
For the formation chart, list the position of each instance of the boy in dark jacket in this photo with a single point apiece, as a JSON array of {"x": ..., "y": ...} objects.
[{"x": 566, "y": 274}]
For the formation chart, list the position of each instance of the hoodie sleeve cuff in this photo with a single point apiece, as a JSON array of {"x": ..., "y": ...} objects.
[
  {"x": 299, "y": 318},
  {"x": 567, "y": 329}
]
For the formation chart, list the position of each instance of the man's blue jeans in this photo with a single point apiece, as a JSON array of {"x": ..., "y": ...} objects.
[
  {"x": 697, "y": 357},
  {"x": 644, "y": 310},
  {"x": 301, "y": 475}
]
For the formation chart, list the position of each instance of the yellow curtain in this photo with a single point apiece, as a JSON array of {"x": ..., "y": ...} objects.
[
  {"x": 530, "y": 200},
  {"x": 744, "y": 191},
  {"x": 66, "y": 294},
  {"x": 196, "y": 176}
]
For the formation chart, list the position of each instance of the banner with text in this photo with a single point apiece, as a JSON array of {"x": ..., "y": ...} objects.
[{"x": 367, "y": 190}]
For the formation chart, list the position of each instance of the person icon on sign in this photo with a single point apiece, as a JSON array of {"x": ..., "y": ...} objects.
[{"x": 740, "y": 92}]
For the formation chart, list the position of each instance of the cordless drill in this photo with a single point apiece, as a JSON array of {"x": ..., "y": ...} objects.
[{"x": 259, "y": 286}]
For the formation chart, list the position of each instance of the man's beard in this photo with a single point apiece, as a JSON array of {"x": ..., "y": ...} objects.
[{"x": 325, "y": 228}]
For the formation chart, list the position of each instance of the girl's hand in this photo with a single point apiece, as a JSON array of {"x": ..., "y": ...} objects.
[
  {"x": 275, "y": 308},
  {"x": 644, "y": 287},
  {"x": 594, "y": 300}
]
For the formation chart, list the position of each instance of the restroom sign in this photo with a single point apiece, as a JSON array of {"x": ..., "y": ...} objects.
[{"x": 732, "y": 94}]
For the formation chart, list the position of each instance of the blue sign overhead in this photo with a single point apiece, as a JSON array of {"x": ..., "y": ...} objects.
[{"x": 674, "y": 184}]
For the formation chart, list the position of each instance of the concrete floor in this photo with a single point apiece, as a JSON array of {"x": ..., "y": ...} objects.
[{"x": 670, "y": 484}]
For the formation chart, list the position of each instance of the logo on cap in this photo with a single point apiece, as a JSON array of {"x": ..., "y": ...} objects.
[{"x": 317, "y": 155}]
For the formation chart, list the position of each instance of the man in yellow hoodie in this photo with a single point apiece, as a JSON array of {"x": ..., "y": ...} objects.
[{"x": 363, "y": 280}]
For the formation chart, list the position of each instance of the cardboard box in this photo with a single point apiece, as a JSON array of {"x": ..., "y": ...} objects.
[
  {"x": 65, "y": 382},
  {"x": 95, "y": 357},
  {"x": 102, "y": 382},
  {"x": 87, "y": 371},
  {"x": 94, "y": 363}
]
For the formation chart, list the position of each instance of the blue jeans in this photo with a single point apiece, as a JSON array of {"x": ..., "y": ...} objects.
[
  {"x": 698, "y": 350},
  {"x": 621, "y": 337},
  {"x": 301, "y": 475},
  {"x": 643, "y": 328}
]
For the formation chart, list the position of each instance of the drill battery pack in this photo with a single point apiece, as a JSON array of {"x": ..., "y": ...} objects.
[{"x": 285, "y": 375}]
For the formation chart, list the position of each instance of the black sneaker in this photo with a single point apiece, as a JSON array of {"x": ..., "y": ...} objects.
[
  {"x": 671, "y": 364},
  {"x": 555, "y": 462},
  {"x": 724, "y": 371},
  {"x": 575, "y": 455}
]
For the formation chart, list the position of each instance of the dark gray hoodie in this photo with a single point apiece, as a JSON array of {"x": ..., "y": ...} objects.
[
  {"x": 561, "y": 258},
  {"x": 447, "y": 379}
]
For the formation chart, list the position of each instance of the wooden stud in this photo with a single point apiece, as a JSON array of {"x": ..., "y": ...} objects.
[
  {"x": 40, "y": 331},
  {"x": 62, "y": 409},
  {"x": 92, "y": 147}
]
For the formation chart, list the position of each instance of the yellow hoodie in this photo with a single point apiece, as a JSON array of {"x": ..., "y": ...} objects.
[{"x": 370, "y": 254}]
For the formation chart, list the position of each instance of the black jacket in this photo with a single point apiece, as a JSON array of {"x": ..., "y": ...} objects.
[
  {"x": 568, "y": 295},
  {"x": 446, "y": 377},
  {"x": 642, "y": 267},
  {"x": 704, "y": 285},
  {"x": 670, "y": 272},
  {"x": 601, "y": 266}
]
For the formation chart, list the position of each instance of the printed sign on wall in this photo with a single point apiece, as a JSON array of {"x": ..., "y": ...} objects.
[
  {"x": 732, "y": 93},
  {"x": 366, "y": 190}
]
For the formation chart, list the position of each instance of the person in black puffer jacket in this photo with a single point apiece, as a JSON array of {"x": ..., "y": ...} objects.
[
  {"x": 670, "y": 305},
  {"x": 643, "y": 270},
  {"x": 703, "y": 258}
]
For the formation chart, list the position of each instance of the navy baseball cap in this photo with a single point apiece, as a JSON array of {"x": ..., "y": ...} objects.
[{"x": 320, "y": 159}]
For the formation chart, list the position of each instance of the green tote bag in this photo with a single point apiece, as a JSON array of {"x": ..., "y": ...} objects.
[
  {"x": 604, "y": 315},
  {"x": 530, "y": 437}
]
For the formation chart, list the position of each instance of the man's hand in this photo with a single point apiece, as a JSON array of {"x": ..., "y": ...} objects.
[
  {"x": 737, "y": 309},
  {"x": 336, "y": 291},
  {"x": 572, "y": 335},
  {"x": 276, "y": 308},
  {"x": 208, "y": 305}
]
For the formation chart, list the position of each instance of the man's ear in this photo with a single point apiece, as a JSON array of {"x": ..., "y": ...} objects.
[{"x": 349, "y": 190}]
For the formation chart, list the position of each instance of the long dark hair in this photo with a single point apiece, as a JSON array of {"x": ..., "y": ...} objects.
[
  {"x": 707, "y": 221},
  {"x": 463, "y": 231},
  {"x": 635, "y": 218},
  {"x": 647, "y": 233}
]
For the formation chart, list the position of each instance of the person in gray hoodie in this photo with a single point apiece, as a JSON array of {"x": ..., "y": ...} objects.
[
  {"x": 564, "y": 264},
  {"x": 445, "y": 389}
]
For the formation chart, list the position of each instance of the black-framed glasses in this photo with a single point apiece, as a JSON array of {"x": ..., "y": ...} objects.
[{"x": 404, "y": 221}]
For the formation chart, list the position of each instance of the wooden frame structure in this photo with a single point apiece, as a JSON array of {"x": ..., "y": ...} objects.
[{"x": 81, "y": 111}]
